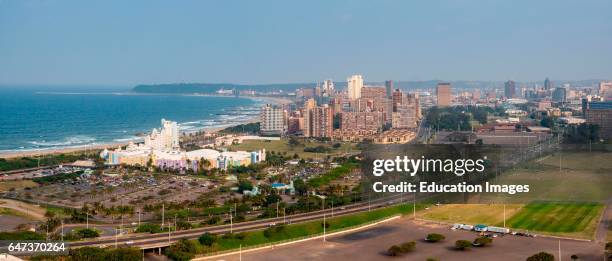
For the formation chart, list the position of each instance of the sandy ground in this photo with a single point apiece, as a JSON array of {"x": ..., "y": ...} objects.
[
  {"x": 372, "y": 243},
  {"x": 34, "y": 153},
  {"x": 30, "y": 210},
  {"x": 10, "y": 223}
]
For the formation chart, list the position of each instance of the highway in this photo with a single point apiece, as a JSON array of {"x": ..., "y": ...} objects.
[{"x": 146, "y": 241}]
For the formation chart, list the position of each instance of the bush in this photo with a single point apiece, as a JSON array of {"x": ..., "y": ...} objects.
[
  {"x": 433, "y": 237},
  {"x": 408, "y": 246},
  {"x": 482, "y": 241},
  {"x": 462, "y": 244},
  {"x": 182, "y": 225},
  {"x": 151, "y": 228},
  {"x": 182, "y": 250},
  {"x": 88, "y": 233},
  {"x": 542, "y": 256},
  {"x": 241, "y": 235},
  {"x": 21, "y": 235},
  {"x": 395, "y": 250},
  {"x": 432, "y": 259},
  {"x": 271, "y": 231},
  {"x": 213, "y": 220},
  {"x": 207, "y": 239}
]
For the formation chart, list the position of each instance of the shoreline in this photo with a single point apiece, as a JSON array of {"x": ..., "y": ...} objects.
[{"x": 113, "y": 145}]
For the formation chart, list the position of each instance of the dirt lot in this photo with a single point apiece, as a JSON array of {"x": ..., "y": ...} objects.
[{"x": 371, "y": 244}]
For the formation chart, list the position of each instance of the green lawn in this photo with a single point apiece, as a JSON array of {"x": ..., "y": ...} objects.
[
  {"x": 585, "y": 177},
  {"x": 331, "y": 175},
  {"x": 564, "y": 218},
  {"x": 295, "y": 231},
  {"x": 488, "y": 214},
  {"x": 282, "y": 146}
]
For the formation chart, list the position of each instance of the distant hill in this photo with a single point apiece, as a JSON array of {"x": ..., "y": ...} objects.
[
  {"x": 213, "y": 87},
  {"x": 209, "y": 88}
]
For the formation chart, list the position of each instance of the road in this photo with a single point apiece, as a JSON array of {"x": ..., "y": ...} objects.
[{"x": 164, "y": 239}]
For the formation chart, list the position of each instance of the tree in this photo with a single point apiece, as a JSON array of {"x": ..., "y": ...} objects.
[
  {"x": 434, "y": 237},
  {"x": 462, "y": 244},
  {"x": 300, "y": 187},
  {"x": 542, "y": 256},
  {"x": 272, "y": 199},
  {"x": 207, "y": 239},
  {"x": 244, "y": 185},
  {"x": 547, "y": 122}
]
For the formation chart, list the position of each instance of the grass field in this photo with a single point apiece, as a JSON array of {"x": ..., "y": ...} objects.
[
  {"x": 283, "y": 146},
  {"x": 584, "y": 177},
  {"x": 488, "y": 214},
  {"x": 295, "y": 231},
  {"x": 12, "y": 212},
  {"x": 312, "y": 228},
  {"x": 16, "y": 184},
  {"x": 565, "y": 218}
]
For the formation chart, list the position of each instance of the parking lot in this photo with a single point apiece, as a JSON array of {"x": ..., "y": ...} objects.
[{"x": 372, "y": 243}]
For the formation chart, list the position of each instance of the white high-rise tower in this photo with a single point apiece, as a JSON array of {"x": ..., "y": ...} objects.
[{"x": 355, "y": 83}]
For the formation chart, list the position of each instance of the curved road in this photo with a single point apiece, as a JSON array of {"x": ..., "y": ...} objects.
[{"x": 146, "y": 241}]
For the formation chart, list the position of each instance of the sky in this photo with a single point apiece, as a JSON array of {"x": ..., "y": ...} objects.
[{"x": 118, "y": 42}]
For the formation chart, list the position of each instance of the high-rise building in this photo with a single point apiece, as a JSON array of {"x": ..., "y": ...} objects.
[
  {"x": 510, "y": 89},
  {"x": 373, "y": 93},
  {"x": 328, "y": 87},
  {"x": 443, "y": 93},
  {"x": 559, "y": 94},
  {"x": 319, "y": 122},
  {"x": 397, "y": 98},
  {"x": 354, "y": 83},
  {"x": 389, "y": 88},
  {"x": 362, "y": 121},
  {"x": 272, "y": 120},
  {"x": 165, "y": 139},
  {"x": 600, "y": 113},
  {"x": 548, "y": 85},
  {"x": 605, "y": 90},
  {"x": 405, "y": 116}
]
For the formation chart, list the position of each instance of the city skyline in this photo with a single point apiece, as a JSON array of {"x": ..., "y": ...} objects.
[{"x": 68, "y": 42}]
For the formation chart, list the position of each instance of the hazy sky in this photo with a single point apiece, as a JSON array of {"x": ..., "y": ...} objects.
[{"x": 131, "y": 42}]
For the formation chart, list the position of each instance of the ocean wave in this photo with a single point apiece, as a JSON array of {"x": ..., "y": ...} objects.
[
  {"x": 122, "y": 140},
  {"x": 68, "y": 141}
]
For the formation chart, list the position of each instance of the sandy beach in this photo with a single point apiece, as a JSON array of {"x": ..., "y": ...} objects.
[{"x": 38, "y": 153}]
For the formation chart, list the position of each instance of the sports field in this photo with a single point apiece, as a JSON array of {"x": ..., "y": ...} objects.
[
  {"x": 489, "y": 214},
  {"x": 583, "y": 177},
  {"x": 564, "y": 218}
]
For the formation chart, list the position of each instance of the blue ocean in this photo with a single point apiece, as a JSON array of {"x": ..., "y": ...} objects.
[{"x": 39, "y": 118}]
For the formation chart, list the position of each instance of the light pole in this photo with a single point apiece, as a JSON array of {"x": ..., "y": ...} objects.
[
  {"x": 323, "y": 219},
  {"x": 163, "y": 210},
  {"x": 62, "y": 221}
]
